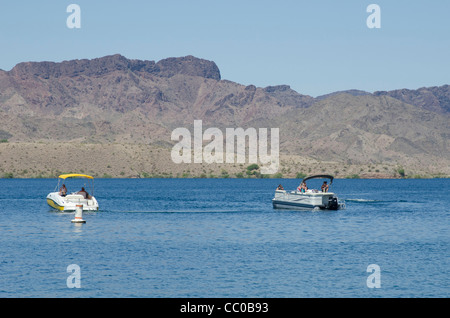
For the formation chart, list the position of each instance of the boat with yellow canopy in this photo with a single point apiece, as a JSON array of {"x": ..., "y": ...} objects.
[{"x": 62, "y": 200}]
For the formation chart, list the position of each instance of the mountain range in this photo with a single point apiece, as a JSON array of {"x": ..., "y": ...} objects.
[{"x": 115, "y": 100}]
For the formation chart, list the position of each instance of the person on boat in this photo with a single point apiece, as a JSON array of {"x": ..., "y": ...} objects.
[
  {"x": 83, "y": 193},
  {"x": 280, "y": 187},
  {"x": 63, "y": 190},
  {"x": 324, "y": 187},
  {"x": 302, "y": 187}
]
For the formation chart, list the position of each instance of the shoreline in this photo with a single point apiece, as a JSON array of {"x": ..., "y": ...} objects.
[
  {"x": 39, "y": 160},
  {"x": 125, "y": 178},
  {"x": 218, "y": 177}
]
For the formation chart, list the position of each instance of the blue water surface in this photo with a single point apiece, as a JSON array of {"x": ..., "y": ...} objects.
[{"x": 222, "y": 238}]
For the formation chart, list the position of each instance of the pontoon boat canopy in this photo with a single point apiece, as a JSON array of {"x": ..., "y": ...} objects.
[{"x": 320, "y": 176}]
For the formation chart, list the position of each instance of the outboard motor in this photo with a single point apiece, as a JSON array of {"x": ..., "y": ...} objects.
[{"x": 333, "y": 203}]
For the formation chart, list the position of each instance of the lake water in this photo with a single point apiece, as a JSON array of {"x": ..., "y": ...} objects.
[{"x": 221, "y": 238}]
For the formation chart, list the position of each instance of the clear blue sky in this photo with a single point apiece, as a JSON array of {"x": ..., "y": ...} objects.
[{"x": 316, "y": 47}]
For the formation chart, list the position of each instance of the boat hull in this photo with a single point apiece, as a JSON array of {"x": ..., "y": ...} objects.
[{"x": 69, "y": 202}]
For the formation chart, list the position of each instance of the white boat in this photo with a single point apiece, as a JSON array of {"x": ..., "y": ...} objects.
[
  {"x": 308, "y": 199},
  {"x": 63, "y": 201}
]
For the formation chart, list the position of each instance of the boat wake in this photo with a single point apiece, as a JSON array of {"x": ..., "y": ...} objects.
[
  {"x": 176, "y": 211},
  {"x": 367, "y": 201},
  {"x": 363, "y": 201}
]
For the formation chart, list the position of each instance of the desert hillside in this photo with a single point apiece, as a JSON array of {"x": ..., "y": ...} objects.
[{"x": 113, "y": 117}]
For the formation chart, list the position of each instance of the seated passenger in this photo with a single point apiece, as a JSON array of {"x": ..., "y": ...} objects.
[
  {"x": 63, "y": 190},
  {"x": 302, "y": 187},
  {"x": 324, "y": 187},
  {"x": 280, "y": 187},
  {"x": 83, "y": 193}
]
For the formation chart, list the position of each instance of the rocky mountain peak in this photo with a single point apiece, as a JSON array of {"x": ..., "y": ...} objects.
[{"x": 188, "y": 65}]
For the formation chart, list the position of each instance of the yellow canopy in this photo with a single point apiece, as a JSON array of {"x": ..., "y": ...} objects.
[{"x": 75, "y": 175}]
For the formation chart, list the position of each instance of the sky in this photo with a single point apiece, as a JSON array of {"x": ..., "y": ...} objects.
[{"x": 317, "y": 47}]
